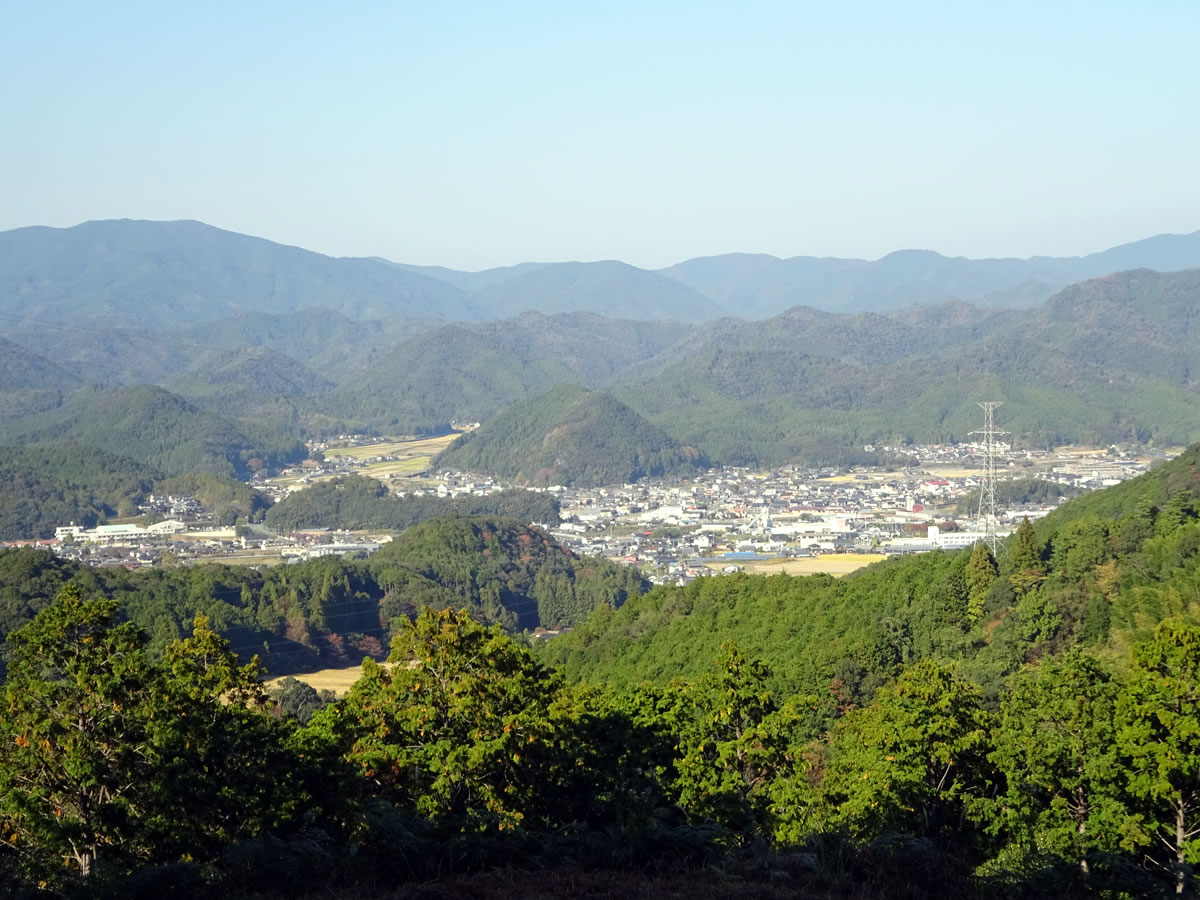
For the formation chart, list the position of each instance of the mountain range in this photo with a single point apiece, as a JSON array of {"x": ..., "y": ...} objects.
[
  {"x": 1105, "y": 359},
  {"x": 157, "y": 275}
]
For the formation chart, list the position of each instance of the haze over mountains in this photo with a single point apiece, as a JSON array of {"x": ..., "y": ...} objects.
[
  {"x": 195, "y": 335},
  {"x": 164, "y": 274}
]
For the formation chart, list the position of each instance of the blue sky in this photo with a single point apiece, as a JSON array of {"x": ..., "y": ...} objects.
[{"x": 480, "y": 134}]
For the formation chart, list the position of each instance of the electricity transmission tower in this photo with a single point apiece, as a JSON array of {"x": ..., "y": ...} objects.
[{"x": 987, "y": 491}]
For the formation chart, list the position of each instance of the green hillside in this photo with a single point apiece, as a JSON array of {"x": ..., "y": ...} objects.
[
  {"x": 574, "y": 437},
  {"x": 614, "y": 288},
  {"x": 507, "y": 572},
  {"x": 357, "y": 501},
  {"x": 1102, "y": 571},
  {"x": 47, "y": 485},
  {"x": 472, "y": 372},
  {"x": 768, "y": 393},
  {"x": 154, "y": 427},
  {"x": 313, "y": 614},
  {"x": 44, "y": 487}
]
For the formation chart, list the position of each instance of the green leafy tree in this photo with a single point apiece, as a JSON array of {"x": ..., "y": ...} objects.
[
  {"x": 734, "y": 742},
  {"x": 1159, "y": 731},
  {"x": 73, "y": 757},
  {"x": 1057, "y": 750},
  {"x": 457, "y": 727},
  {"x": 109, "y": 760},
  {"x": 1025, "y": 559},
  {"x": 911, "y": 762}
]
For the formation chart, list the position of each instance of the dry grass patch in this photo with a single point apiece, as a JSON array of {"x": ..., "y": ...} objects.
[
  {"x": 835, "y": 564},
  {"x": 338, "y": 680}
]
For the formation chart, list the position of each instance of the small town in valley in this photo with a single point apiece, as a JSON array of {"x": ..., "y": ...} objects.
[{"x": 790, "y": 519}]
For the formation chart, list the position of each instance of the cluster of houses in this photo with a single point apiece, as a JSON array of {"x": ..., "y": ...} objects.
[{"x": 673, "y": 529}]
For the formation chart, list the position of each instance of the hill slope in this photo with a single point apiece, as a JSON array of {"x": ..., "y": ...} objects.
[
  {"x": 152, "y": 426},
  {"x": 574, "y": 437},
  {"x": 1108, "y": 360},
  {"x": 44, "y": 487},
  {"x": 507, "y": 572},
  {"x": 470, "y": 372},
  {"x": 159, "y": 274}
]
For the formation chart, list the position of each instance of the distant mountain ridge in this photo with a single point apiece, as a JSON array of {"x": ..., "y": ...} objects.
[
  {"x": 162, "y": 275},
  {"x": 760, "y": 285}
]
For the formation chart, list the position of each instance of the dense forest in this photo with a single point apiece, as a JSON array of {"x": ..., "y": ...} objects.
[
  {"x": 333, "y": 611},
  {"x": 159, "y": 429},
  {"x": 949, "y": 725},
  {"x": 357, "y": 501}
]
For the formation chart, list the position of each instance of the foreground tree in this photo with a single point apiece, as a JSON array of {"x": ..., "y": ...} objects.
[
  {"x": 734, "y": 742},
  {"x": 458, "y": 726},
  {"x": 1159, "y": 731},
  {"x": 73, "y": 736},
  {"x": 912, "y": 762},
  {"x": 1057, "y": 749},
  {"x": 108, "y": 760}
]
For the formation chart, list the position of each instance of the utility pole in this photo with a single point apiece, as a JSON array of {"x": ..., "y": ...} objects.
[{"x": 987, "y": 491}]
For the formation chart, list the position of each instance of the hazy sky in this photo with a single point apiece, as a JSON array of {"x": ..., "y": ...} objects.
[{"x": 480, "y": 134}]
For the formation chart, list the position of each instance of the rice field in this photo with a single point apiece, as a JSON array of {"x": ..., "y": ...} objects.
[
  {"x": 338, "y": 680},
  {"x": 426, "y": 447},
  {"x": 835, "y": 564}
]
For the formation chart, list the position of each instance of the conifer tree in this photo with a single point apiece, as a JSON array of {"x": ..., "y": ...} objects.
[{"x": 981, "y": 573}]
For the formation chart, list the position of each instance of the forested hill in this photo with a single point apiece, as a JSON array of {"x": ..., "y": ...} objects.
[
  {"x": 152, "y": 426},
  {"x": 507, "y": 571},
  {"x": 574, "y": 437},
  {"x": 357, "y": 501},
  {"x": 44, "y": 486},
  {"x": 1101, "y": 572},
  {"x": 330, "y": 611},
  {"x": 461, "y": 372},
  {"x": 767, "y": 392},
  {"x": 164, "y": 274}
]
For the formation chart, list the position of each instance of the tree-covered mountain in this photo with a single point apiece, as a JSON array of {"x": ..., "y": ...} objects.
[
  {"x": 47, "y": 485},
  {"x": 471, "y": 372},
  {"x": 1105, "y": 360},
  {"x": 317, "y": 613},
  {"x": 1099, "y": 362},
  {"x": 152, "y": 426},
  {"x": 29, "y": 382},
  {"x": 571, "y": 436},
  {"x": 357, "y": 501},
  {"x": 161, "y": 274},
  {"x": 156, "y": 275},
  {"x": 43, "y": 487}
]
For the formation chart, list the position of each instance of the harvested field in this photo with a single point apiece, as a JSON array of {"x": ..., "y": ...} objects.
[
  {"x": 337, "y": 680},
  {"x": 829, "y": 563}
]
